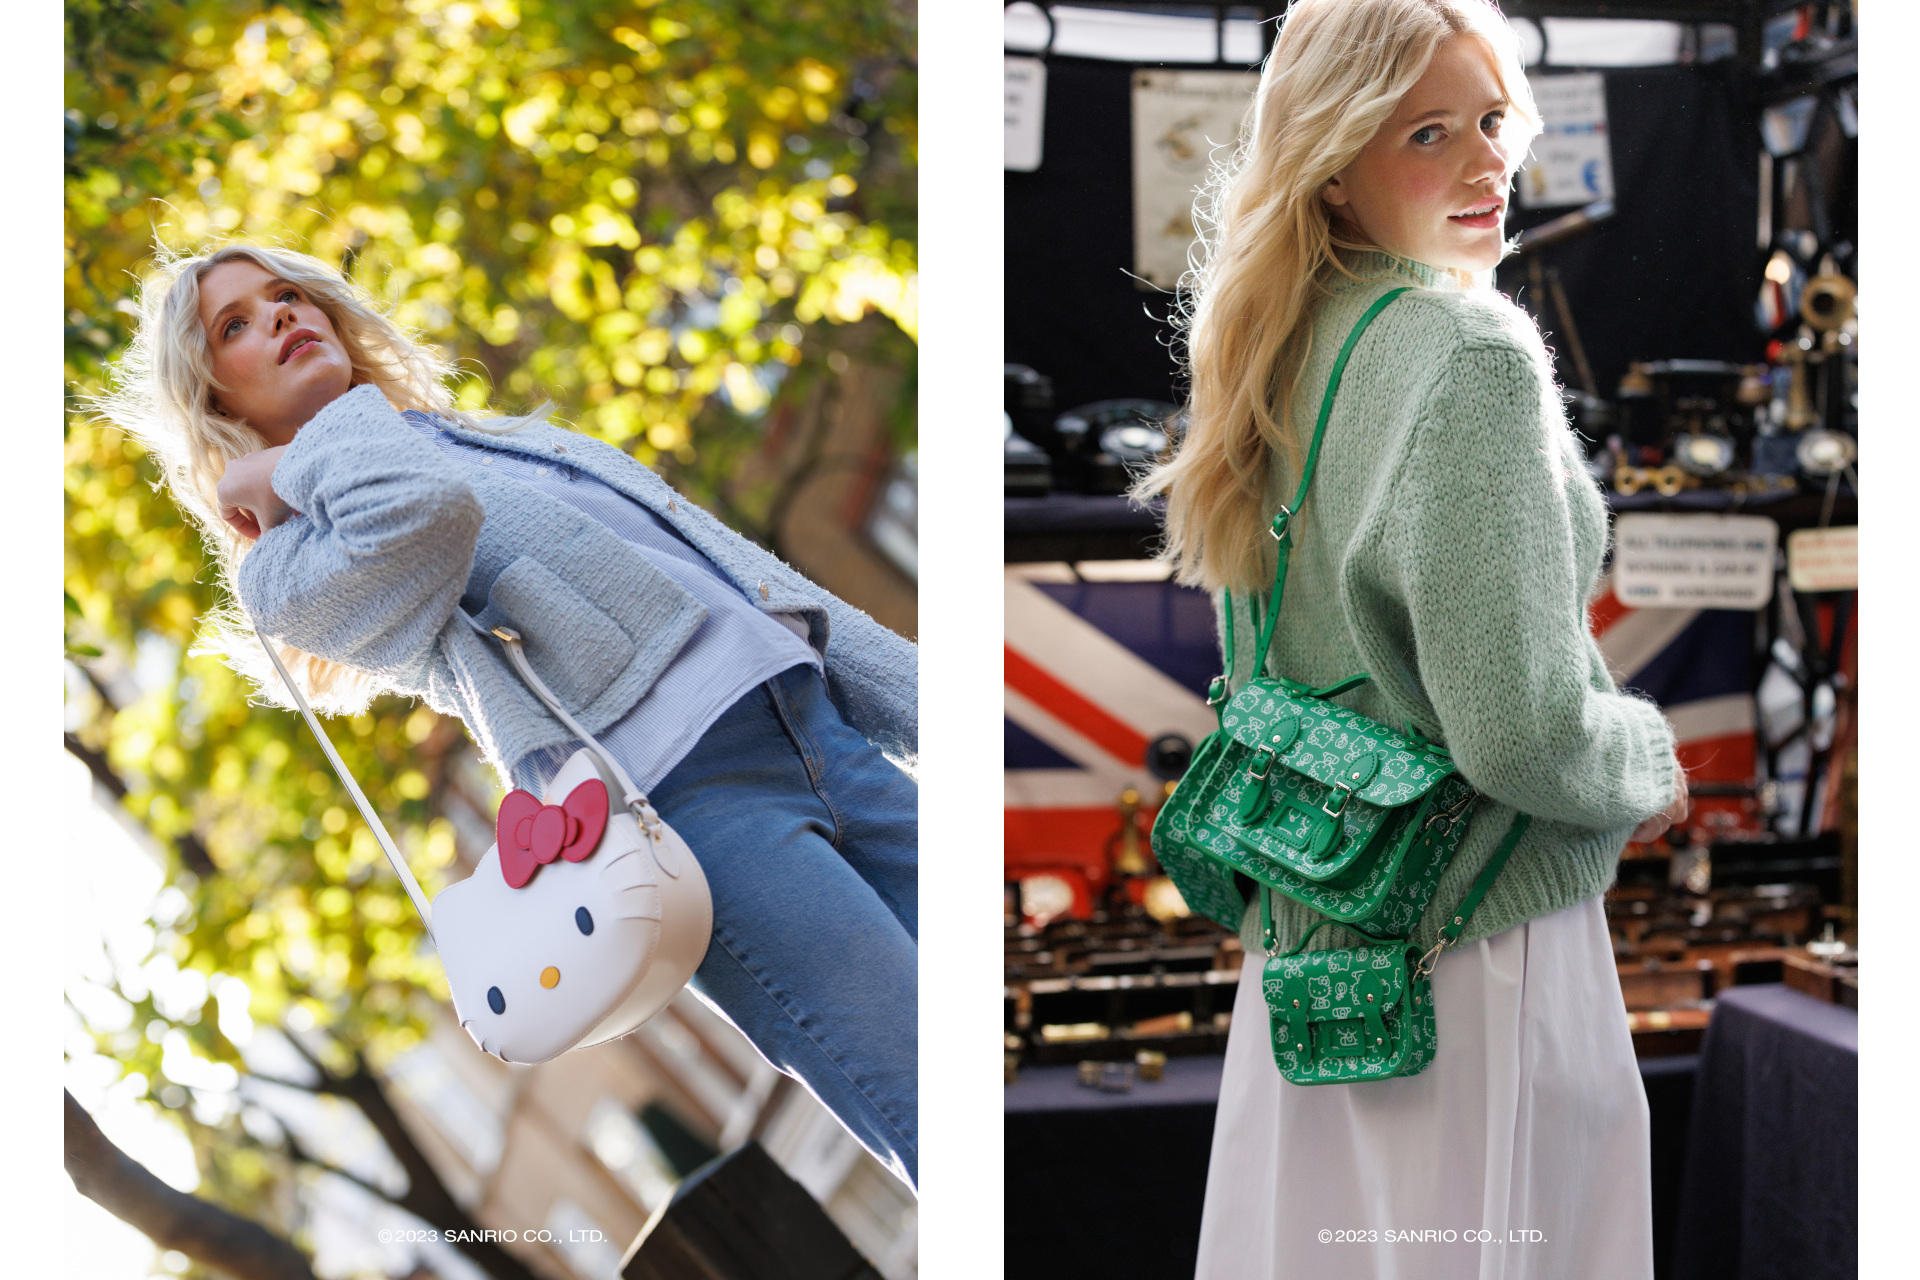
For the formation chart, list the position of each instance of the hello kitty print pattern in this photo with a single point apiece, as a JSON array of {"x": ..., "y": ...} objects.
[
  {"x": 1348, "y": 1014},
  {"x": 1393, "y": 836}
]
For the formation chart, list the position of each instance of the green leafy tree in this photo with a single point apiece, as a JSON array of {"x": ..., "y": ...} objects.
[{"x": 668, "y": 217}]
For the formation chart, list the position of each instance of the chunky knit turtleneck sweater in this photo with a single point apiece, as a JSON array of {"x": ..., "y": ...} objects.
[{"x": 1448, "y": 547}]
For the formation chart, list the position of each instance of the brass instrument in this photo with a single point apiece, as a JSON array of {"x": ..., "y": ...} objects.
[
  {"x": 1827, "y": 301},
  {"x": 1131, "y": 858}
]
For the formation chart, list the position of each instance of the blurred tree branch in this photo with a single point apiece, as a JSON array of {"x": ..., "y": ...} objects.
[
  {"x": 193, "y": 854},
  {"x": 426, "y": 1197},
  {"x": 172, "y": 1219}
]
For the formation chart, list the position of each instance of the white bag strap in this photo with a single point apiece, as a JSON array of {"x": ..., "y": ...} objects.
[
  {"x": 631, "y": 796},
  {"x": 414, "y": 891},
  {"x": 635, "y": 799}
]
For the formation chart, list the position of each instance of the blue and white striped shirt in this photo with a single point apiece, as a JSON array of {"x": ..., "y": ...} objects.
[{"x": 734, "y": 649}]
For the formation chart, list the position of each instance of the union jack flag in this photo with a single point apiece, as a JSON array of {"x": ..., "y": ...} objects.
[{"x": 1098, "y": 670}]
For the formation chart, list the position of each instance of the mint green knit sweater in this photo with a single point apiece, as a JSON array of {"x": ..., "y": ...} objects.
[{"x": 1448, "y": 547}]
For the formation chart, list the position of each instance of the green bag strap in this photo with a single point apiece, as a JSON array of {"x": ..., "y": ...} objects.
[
  {"x": 1218, "y": 690},
  {"x": 1282, "y": 527},
  {"x": 1450, "y": 931}
]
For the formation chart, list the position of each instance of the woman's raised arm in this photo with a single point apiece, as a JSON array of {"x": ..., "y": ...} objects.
[{"x": 373, "y": 565}]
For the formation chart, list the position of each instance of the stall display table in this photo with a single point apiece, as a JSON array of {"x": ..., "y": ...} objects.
[
  {"x": 1188, "y": 1081},
  {"x": 1107, "y": 1186},
  {"x": 1771, "y": 1184},
  {"x": 1110, "y": 1185}
]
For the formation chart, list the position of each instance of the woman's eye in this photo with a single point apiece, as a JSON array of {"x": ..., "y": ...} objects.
[
  {"x": 1422, "y": 137},
  {"x": 288, "y": 293},
  {"x": 1491, "y": 121},
  {"x": 228, "y": 331}
]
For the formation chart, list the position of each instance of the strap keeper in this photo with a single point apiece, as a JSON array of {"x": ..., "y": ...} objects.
[
  {"x": 1217, "y": 691},
  {"x": 1280, "y": 522}
]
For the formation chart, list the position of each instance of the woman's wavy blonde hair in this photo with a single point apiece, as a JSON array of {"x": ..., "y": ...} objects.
[
  {"x": 1269, "y": 249},
  {"x": 164, "y": 394}
]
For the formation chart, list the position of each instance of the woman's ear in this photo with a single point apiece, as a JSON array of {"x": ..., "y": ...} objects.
[{"x": 1333, "y": 193}]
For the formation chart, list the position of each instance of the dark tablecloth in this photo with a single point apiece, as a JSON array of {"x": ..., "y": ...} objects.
[
  {"x": 1109, "y": 1186},
  {"x": 1188, "y": 1081},
  {"x": 1771, "y": 1185}
]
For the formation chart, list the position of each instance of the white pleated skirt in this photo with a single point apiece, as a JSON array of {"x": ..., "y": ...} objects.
[{"x": 1526, "y": 1138}]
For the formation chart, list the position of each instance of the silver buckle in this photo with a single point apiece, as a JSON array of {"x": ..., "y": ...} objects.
[
  {"x": 1268, "y": 762},
  {"x": 1346, "y": 794}
]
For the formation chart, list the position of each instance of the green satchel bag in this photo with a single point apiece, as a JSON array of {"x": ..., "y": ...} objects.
[
  {"x": 1302, "y": 796},
  {"x": 1347, "y": 1014}
]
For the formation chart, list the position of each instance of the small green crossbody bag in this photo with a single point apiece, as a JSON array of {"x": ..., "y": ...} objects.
[
  {"x": 1302, "y": 796},
  {"x": 1360, "y": 1013}
]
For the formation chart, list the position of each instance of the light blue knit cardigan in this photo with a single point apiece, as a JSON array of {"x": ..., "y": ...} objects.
[{"x": 393, "y": 535}]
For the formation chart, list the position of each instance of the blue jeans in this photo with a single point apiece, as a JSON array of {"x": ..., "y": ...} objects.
[{"x": 810, "y": 840}]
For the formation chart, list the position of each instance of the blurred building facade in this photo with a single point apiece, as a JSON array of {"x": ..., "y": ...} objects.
[{"x": 847, "y": 510}]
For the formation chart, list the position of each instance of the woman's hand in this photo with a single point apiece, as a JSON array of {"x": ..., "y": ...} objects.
[
  {"x": 246, "y": 496},
  {"x": 1656, "y": 826}
]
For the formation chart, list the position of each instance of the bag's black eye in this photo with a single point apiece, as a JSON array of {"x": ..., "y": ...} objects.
[
  {"x": 496, "y": 1001},
  {"x": 585, "y": 921}
]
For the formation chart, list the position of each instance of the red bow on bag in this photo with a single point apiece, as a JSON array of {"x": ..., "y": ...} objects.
[{"x": 531, "y": 833}]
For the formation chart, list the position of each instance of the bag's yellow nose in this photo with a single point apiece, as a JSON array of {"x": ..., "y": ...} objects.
[{"x": 549, "y": 977}]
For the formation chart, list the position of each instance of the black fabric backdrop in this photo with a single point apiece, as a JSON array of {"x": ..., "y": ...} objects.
[{"x": 1673, "y": 275}]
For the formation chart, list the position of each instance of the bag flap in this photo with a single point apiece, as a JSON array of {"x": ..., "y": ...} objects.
[
  {"x": 1293, "y": 829},
  {"x": 1334, "y": 984},
  {"x": 1335, "y": 745}
]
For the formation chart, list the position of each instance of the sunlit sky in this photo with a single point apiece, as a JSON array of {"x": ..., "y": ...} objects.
[
  {"x": 115, "y": 895},
  {"x": 111, "y": 884}
]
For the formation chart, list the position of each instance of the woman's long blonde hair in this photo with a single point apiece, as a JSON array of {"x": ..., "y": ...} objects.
[
  {"x": 1269, "y": 249},
  {"x": 164, "y": 394}
]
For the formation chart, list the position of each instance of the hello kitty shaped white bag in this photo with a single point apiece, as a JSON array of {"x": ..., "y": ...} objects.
[{"x": 586, "y": 917}]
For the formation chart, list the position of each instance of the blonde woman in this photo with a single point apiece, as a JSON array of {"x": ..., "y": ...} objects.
[
  {"x": 1449, "y": 545},
  {"x": 356, "y": 513}
]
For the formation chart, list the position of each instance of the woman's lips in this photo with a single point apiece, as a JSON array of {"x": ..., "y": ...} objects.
[
  {"x": 302, "y": 345},
  {"x": 1482, "y": 221}
]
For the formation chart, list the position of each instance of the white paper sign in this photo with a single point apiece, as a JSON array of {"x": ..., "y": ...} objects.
[
  {"x": 1572, "y": 159},
  {"x": 1026, "y": 112},
  {"x": 1824, "y": 559},
  {"x": 1694, "y": 561},
  {"x": 1181, "y": 119}
]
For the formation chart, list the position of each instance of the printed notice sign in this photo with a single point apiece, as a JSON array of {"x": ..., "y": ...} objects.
[
  {"x": 1026, "y": 112},
  {"x": 1694, "y": 561},
  {"x": 1572, "y": 159},
  {"x": 1182, "y": 122},
  {"x": 1824, "y": 559}
]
